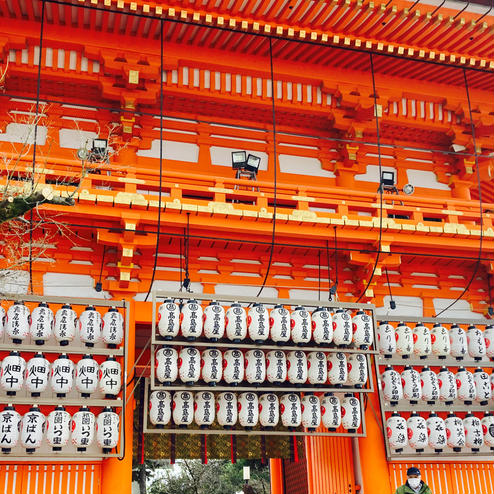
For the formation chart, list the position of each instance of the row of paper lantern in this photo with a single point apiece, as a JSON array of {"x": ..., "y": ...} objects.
[
  {"x": 444, "y": 386},
  {"x": 249, "y": 410},
  {"x": 236, "y": 323},
  {"x": 233, "y": 366},
  {"x": 439, "y": 341},
  {"x": 18, "y": 323},
  {"x": 58, "y": 427},
  {"x": 437, "y": 433},
  {"x": 61, "y": 375}
]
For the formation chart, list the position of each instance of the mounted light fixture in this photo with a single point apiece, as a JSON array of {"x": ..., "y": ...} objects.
[
  {"x": 239, "y": 159},
  {"x": 388, "y": 184},
  {"x": 408, "y": 189},
  {"x": 99, "y": 151},
  {"x": 253, "y": 163}
]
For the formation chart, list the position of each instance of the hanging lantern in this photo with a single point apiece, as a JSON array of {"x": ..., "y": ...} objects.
[
  {"x": 258, "y": 323},
  {"x": 183, "y": 408},
  {"x": 412, "y": 389},
  {"x": 107, "y": 429},
  {"x": 42, "y": 320},
  {"x": 465, "y": 384},
  {"x": 269, "y": 410},
  {"x": 62, "y": 375},
  {"x": 10, "y": 423},
  {"x": 291, "y": 411},
  {"x": 82, "y": 425},
  {"x": 86, "y": 376},
  {"x": 330, "y": 411},
  {"x": 357, "y": 370},
  {"x": 350, "y": 413},
  {"x": 311, "y": 412},
  {"x": 65, "y": 325},
  {"x": 489, "y": 340},
  {"x": 441, "y": 345},
  {"x": 404, "y": 340},
  {"x": 386, "y": 339},
  {"x": 37, "y": 373},
  {"x": 482, "y": 386},
  {"x": 455, "y": 432},
  {"x": 113, "y": 330},
  {"x": 276, "y": 367},
  {"x": 32, "y": 429},
  {"x": 166, "y": 365},
  {"x": 204, "y": 409},
  {"x": 168, "y": 319},
  {"x": 322, "y": 326},
  {"x": 342, "y": 328},
  {"x": 58, "y": 428},
  {"x": 458, "y": 340},
  {"x": 255, "y": 366},
  {"x": 226, "y": 409},
  {"x": 300, "y": 324},
  {"x": 279, "y": 323},
  {"x": 337, "y": 368},
  {"x": 296, "y": 367},
  {"x": 447, "y": 386},
  {"x": 90, "y": 326},
  {"x": 396, "y": 430},
  {"x": 362, "y": 330},
  {"x": 248, "y": 410},
  {"x": 214, "y": 321},
  {"x": 110, "y": 381},
  {"x": 417, "y": 432},
  {"x": 189, "y": 365},
  {"x": 191, "y": 320},
  {"x": 233, "y": 367},
  {"x": 430, "y": 386},
  {"x": 476, "y": 343},
  {"x": 422, "y": 341},
  {"x": 236, "y": 323},
  {"x": 492, "y": 383},
  {"x": 12, "y": 374},
  {"x": 3, "y": 320},
  {"x": 487, "y": 422},
  {"x": 17, "y": 322},
  {"x": 317, "y": 368},
  {"x": 211, "y": 366},
  {"x": 474, "y": 437},
  {"x": 160, "y": 408},
  {"x": 391, "y": 385},
  {"x": 436, "y": 431}
]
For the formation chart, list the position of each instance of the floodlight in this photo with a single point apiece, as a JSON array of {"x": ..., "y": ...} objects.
[
  {"x": 408, "y": 189},
  {"x": 252, "y": 163},
  {"x": 388, "y": 179},
  {"x": 99, "y": 146},
  {"x": 239, "y": 159},
  {"x": 82, "y": 154}
]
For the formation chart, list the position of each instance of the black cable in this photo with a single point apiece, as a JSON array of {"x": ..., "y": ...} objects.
[
  {"x": 462, "y": 10},
  {"x": 319, "y": 274},
  {"x": 98, "y": 285},
  {"x": 181, "y": 266},
  {"x": 392, "y": 303},
  {"x": 477, "y": 264},
  {"x": 161, "y": 166},
  {"x": 186, "y": 281},
  {"x": 334, "y": 288},
  {"x": 490, "y": 309},
  {"x": 329, "y": 275}
]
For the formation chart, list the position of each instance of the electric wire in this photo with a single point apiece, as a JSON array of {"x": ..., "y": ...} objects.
[
  {"x": 389, "y": 286},
  {"x": 319, "y": 275},
  {"x": 329, "y": 275}
]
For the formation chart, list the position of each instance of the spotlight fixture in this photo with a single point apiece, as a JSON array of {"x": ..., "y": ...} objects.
[
  {"x": 252, "y": 163},
  {"x": 99, "y": 151},
  {"x": 388, "y": 179},
  {"x": 408, "y": 189},
  {"x": 82, "y": 154},
  {"x": 388, "y": 184},
  {"x": 239, "y": 159}
]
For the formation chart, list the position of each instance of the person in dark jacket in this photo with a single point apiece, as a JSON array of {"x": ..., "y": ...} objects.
[{"x": 414, "y": 483}]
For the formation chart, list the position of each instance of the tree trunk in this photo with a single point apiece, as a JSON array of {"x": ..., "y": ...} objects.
[{"x": 142, "y": 479}]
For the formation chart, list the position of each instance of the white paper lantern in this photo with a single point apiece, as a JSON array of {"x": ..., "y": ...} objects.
[
  {"x": 404, "y": 340},
  {"x": 474, "y": 437},
  {"x": 204, "y": 409},
  {"x": 214, "y": 321},
  {"x": 37, "y": 374},
  {"x": 386, "y": 339},
  {"x": 455, "y": 432},
  {"x": 441, "y": 346},
  {"x": 82, "y": 425},
  {"x": 255, "y": 366},
  {"x": 107, "y": 430},
  {"x": 248, "y": 410},
  {"x": 269, "y": 410},
  {"x": 279, "y": 322},
  {"x": 189, "y": 365},
  {"x": 311, "y": 412},
  {"x": 233, "y": 367},
  {"x": 90, "y": 324},
  {"x": 422, "y": 343},
  {"x": 211, "y": 366},
  {"x": 317, "y": 367},
  {"x": 430, "y": 386},
  {"x": 476, "y": 343},
  {"x": 58, "y": 428},
  {"x": 17, "y": 322},
  {"x": 337, "y": 368},
  {"x": 236, "y": 323},
  {"x": 276, "y": 369},
  {"x": 10, "y": 423},
  {"x": 183, "y": 408},
  {"x": 363, "y": 330},
  {"x": 32, "y": 429},
  {"x": 412, "y": 389},
  {"x": 113, "y": 329},
  {"x": 330, "y": 411},
  {"x": 391, "y": 385},
  {"x": 3, "y": 320},
  {"x": 350, "y": 413},
  {"x": 357, "y": 370},
  {"x": 342, "y": 327},
  {"x": 322, "y": 326},
  {"x": 458, "y": 340},
  {"x": 482, "y": 386},
  {"x": 191, "y": 320},
  {"x": 396, "y": 431},
  {"x": 42, "y": 320},
  {"x": 492, "y": 383},
  {"x": 301, "y": 325},
  {"x": 258, "y": 323},
  {"x": 291, "y": 411},
  {"x": 160, "y": 408},
  {"x": 417, "y": 432},
  {"x": 168, "y": 319},
  {"x": 166, "y": 365},
  {"x": 447, "y": 386},
  {"x": 436, "y": 431},
  {"x": 86, "y": 376},
  {"x": 62, "y": 375},
  {"x": 489, "y": 340},
  {"x": 465, "y": 384},
  {"x": 297, "y": 367},
  {"x": 65, "y": 324},
  {"x": 226, "y": 409},
  {"x": 487, "y": 422},
  {"x": 12, "y": 374},
  {"x": 110, "y": 381}
]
